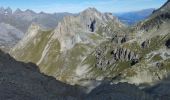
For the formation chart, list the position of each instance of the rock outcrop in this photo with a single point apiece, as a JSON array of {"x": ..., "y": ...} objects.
[
  {"x": 145, "y": 44},
  {"x": 117, "y": 54}
]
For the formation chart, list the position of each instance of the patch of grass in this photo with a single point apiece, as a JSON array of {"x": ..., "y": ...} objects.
[
  {"x": 121, "y": 66},
  {"x": 48, "y": 64},
  {"x": 130, "y": 73},
  {"x": 95, "y": 37},
  {"x": 33, "y": 50},
  {"x": 156, "y": 58},
  {"x": 66, "y": 63},
  {"x": 166, "y": 64}
]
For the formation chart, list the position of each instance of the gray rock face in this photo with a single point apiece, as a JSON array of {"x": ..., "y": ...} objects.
[
  {"x": 145, "y": 44},
  {"x": 105, "y": 56},
  {"x": 120, "y": 38}
]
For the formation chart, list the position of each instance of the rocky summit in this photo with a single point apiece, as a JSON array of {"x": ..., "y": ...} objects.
[{"x": 87, "y": 56}]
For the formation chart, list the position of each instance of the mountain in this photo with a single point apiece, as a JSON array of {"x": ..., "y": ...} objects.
[
  {"x": 91, "y": 47},
  {"x": 132, "y": 18},
  {"x": 20, "y": 81},
  {"x": 59, "y": 52},
  {"x": 19, "y": 21}
]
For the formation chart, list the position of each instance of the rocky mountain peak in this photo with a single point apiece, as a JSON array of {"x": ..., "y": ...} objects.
[
  {"x": 8, "y": 11},
  {"x": 90, "y": 10},
  {"x": 30, "y": 11},
  {"x": 33, "y": 29},
  {"x": 69, "y": 29},
  {"x": 18, "y": 11},
  {"x": 2, "y": 10},
  {"x": 94, "y": 14},
  {"x": 5, "y": 11}
]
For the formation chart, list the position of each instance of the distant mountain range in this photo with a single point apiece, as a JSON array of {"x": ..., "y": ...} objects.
[
  {"x": 23, "y": 19},
  {"x": 131, "y": 18},
  {"x": 16, "y": 23}
]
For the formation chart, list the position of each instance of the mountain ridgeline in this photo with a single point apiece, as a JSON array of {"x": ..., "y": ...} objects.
[{"x": 95, "y": 53}]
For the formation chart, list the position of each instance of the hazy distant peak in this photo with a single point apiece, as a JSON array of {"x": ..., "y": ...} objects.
[
  {"x": 42, "y": 12},
  {"x": 29, "y": 11},
  {"x": 18, "y": 11},
  {"x": 8, "y": 8},
  {"x": 1, "y": 8},
  {"x": 5, "y": 10},
  {"x": 92, "y": 9}
]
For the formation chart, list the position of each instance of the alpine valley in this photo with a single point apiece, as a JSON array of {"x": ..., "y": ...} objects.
[{"x": 85, "y": 56}]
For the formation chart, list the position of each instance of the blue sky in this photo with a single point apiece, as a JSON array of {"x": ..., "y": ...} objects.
[{"x": 75, "y": 6}]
